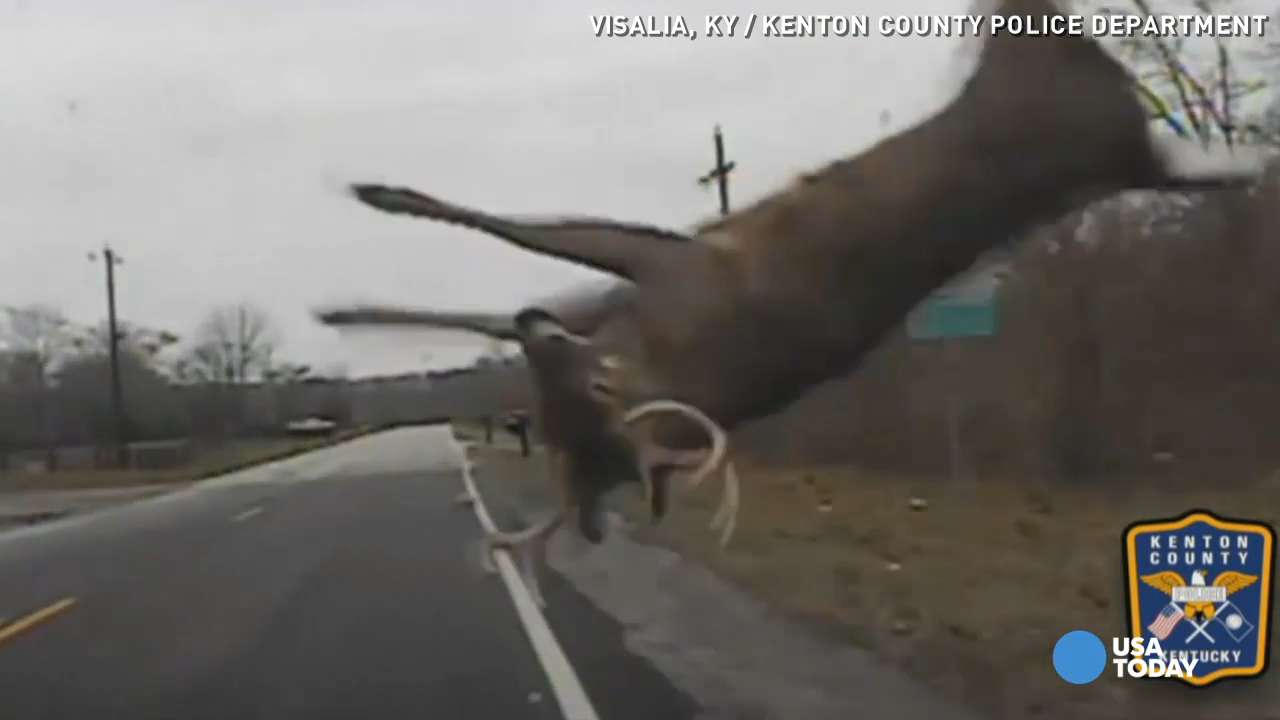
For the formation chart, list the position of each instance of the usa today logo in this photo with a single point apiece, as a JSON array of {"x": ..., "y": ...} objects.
[{"x": 1079, "y": 657}]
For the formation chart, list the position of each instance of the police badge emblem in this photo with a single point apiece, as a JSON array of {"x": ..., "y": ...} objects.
[{"x": 1202, "y": 585}]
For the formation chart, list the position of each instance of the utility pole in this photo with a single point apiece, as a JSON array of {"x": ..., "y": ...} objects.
[
  {"x": 111, "y": 259},
  {"x": 720, "y": 173}
]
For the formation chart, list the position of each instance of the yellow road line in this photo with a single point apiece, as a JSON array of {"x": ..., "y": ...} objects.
[{"x": 26, "y": 623}]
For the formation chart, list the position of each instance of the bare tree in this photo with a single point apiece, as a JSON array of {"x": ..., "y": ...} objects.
[
  {"x": 233, "y": 345},
  {"x": 1203, "y": 87},
  {"x": 38, "y": 334},
  {"x": 37, "y": 339},
  {"x": 230, "y": 348}
]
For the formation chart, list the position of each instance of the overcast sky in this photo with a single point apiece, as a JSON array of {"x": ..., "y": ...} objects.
[{"x": 207, "y": 142}]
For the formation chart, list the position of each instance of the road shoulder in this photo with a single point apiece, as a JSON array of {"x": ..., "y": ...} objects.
[{"x": 727, "y": 650}]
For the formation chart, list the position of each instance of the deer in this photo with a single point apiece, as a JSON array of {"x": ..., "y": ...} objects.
[
  {"x": 741, "y": 316},
  {"x": 588, "y": 449}
]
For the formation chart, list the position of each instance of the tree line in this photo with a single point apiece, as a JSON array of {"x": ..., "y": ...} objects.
[
  {"x": 227, "y": 380},
  {"x": 1141, "y": 331}
]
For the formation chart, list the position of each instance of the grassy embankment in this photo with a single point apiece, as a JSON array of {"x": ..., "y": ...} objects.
[{"x": 968, "y": 593}]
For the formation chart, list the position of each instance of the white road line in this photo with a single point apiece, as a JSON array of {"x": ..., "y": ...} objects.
[
  {"x": 571, "y": 696},
  {"x": 246, "y": 514}
]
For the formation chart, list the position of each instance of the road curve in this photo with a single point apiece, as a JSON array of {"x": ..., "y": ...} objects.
[{"x": 333, "y": 585}]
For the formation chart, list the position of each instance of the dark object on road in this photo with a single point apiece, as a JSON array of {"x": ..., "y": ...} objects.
[{"x": 517, "y": 423}]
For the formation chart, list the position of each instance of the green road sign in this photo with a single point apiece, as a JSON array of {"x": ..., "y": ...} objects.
[
  {"x": 942, "y": 317},
  {"x": 964, "y": 307}
]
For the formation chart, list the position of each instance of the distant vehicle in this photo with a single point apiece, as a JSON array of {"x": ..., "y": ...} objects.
[{"x": 311, "y": 426}]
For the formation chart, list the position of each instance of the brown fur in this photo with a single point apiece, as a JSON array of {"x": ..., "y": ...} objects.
[{"x": 760, "y": 306}]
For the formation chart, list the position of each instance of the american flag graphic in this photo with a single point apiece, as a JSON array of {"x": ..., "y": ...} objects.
[{"x": 1166, "y": 621}]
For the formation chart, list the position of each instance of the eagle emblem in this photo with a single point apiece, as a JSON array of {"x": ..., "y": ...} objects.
[
  {"x": 1202, "y": 585},
  {"x": 1170, "y": 582}
]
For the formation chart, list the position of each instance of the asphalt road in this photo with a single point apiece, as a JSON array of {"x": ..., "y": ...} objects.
[{"x": 335, "y": 585}]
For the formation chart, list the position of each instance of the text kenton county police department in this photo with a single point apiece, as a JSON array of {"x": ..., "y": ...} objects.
[{"x": 801, "y": 26}]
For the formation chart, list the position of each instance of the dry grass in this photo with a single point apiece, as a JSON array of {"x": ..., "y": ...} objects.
[
  {"x": 968, "y": 594},
  {"x": 229, "y": 458}
]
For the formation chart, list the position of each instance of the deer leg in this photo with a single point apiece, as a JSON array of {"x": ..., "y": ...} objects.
[
  {"x": 626, "y": 250},
  {"x": 657, "y": 464},
  {"x": 499, "y": 326}
]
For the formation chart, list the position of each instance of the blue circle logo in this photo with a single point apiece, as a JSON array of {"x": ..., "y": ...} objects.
[{"x": 1079, "y": 657}]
